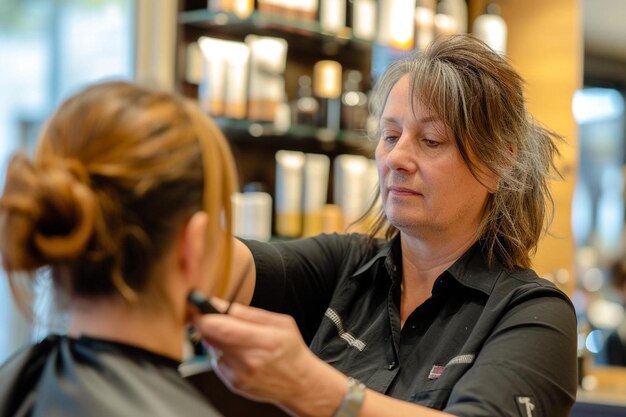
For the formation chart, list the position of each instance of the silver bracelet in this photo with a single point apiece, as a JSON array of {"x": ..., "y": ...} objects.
[{"x": 353, "y": 400}]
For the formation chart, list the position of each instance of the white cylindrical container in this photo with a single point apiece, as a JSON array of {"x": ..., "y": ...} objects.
[
  {"x": 491, "y": 29},
  {"x": 316, "y": 169},
  {"x": 237, "y": 80},
  {"x": 333, "y": 15},
  {"x": 268, "y": 59},
  {"x": 252, "y": 214},
  {"x": 193, "y": 63},
  {"x": 289, "y": 173},
  {"x": 364, "y": 19},
  {"x": 396, "y": 23},
  {"x": 349, "y": 186},
  {"x": 212, "y": 92},
  {"x": 424, "y": 24}
]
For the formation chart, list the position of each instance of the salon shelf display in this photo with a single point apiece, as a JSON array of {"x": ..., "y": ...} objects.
[
  {"x": 292, "y": 81},
  {"x": 307, "y": 44},
  {"x": 297, "y": 137},
  {"x": 300, "y": 34}
]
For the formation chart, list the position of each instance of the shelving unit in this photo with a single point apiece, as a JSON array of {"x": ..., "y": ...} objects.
[
  {"x": 298, "y": 32},
  {"x": 254, "y": 144},
  {"x": 246, "y": 132},
  {"x": 307, "y": 42}
]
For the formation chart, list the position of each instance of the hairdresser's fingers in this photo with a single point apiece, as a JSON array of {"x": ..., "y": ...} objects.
[
  {"x": 228, "y": 332},
  {"x": 268, "y": 375},
  {"x": 219, "y": 303},
  {"x": 243, "y": 322},
  {"x": 246, "y": 384},
  {"x": 260, "y": 316},
  {"x": 245, "y": 367}
]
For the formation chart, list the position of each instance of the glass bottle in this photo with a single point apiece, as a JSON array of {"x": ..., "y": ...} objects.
[
  {"x": 305, "y": 108},
  {"x": 353, "y": 102}
]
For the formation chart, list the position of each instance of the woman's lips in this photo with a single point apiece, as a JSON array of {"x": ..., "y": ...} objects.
[{"x": 402, "y": 191}]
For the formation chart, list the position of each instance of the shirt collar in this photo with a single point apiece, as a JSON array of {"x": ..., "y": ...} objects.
[
  {"x": 384, "y": 254},
  {"x": 470, "y": 270}
]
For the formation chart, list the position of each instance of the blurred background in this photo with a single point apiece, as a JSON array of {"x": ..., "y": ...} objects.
[{"x": 572, "y": 54}]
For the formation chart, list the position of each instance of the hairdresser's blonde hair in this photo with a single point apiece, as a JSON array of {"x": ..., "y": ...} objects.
[
  {"x": 117, "y": 171},
  {"x": 479, "y": 95}
]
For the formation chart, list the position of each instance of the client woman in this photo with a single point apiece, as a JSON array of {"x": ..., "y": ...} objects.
[{"x": 126, "y": 204}]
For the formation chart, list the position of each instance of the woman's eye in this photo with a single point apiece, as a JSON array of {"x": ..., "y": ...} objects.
[
  {"x": 431, "y": 143},
  {"x": 390, "y": 138}
]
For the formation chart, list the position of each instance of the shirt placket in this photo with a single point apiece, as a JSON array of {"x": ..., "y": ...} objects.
[{"x": 386, "y": 374}]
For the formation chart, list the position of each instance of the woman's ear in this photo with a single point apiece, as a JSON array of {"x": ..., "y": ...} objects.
[{"x": 192, "y": 247}]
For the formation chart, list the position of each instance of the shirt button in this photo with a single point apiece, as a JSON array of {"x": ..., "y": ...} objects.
[{"x": 391, "y": 366}]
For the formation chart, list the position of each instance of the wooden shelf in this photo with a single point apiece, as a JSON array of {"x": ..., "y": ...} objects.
[
  {"x": 300, "y": 34},
  {"x": 244, "y": 133}
]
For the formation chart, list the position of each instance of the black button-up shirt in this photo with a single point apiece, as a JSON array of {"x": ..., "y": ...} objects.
[{"x": 488, "y": 342}]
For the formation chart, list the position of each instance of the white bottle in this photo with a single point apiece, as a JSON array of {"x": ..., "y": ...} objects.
[
  {"x": 333, "y": 15},
  {"x": 491, "y": 29},
  {"x": 364, "y": 19}
]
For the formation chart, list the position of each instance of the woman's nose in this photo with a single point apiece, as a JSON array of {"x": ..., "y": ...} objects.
[{"x": 402, "y": 157}]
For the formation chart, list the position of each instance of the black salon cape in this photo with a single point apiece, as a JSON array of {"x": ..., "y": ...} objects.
[{"x": 62, "y": 376}]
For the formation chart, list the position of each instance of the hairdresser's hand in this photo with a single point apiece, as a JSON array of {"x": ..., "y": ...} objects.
[{"x": 261, "y": 355}]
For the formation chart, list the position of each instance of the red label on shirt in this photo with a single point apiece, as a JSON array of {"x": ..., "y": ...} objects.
[{"x": 436, "y": 371}]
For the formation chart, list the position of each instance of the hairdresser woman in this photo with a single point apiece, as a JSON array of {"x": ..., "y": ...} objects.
[{"x": 445, "y": 317}]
